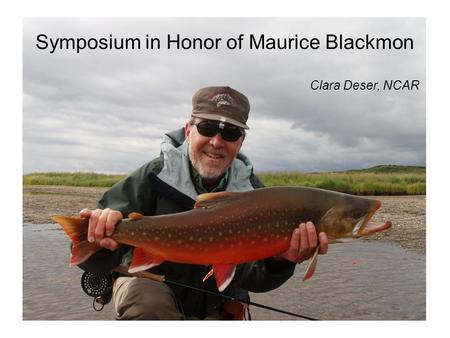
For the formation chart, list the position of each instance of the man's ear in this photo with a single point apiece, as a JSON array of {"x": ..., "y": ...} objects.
[{"x": 187, "y": 131}]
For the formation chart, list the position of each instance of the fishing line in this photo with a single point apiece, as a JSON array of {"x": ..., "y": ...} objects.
[
  {"x": 159, "y": 278},
  {"x": 238, "y": 300}
]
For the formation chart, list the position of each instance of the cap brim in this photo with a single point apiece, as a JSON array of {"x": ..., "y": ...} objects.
[{"x": 216, "y": 117}]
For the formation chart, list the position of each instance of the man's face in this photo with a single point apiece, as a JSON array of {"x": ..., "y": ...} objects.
[{"x": 210, "y": 156}]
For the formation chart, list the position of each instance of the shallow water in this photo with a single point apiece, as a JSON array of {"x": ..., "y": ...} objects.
[{"x": 355, "y": 281}]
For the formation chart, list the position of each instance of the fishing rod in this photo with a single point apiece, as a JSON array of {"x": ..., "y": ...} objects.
[
  {"x": 239, "y": 300},
  {"x": 100, "y": 287},
  {"x": 162, "y": 279}
]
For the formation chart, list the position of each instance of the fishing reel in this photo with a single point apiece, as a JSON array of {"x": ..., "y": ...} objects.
[{"x": 98, "y": 286}]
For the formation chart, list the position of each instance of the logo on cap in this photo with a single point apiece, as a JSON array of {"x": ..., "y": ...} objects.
[{"x": 223, "y": 100}]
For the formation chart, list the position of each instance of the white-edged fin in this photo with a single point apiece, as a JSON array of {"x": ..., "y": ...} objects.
[
  {"x": 224, "y": 274},
  {"x": 143, "y": 260},
  {"x": 312, "y": 265},
  {"x": 209, "y": 274}
]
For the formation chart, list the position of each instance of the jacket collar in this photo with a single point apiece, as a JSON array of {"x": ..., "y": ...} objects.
[{"x": 176, "y": 170}]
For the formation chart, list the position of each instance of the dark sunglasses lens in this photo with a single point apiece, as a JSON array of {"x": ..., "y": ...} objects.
[
  {"x": 231, "y": 134},
  {"x": 208, "y": 129}
]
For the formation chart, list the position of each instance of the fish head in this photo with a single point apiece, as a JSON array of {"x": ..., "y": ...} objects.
[
  {"x": 352, "y": 219},
  {"x": 365, "y": 226}
]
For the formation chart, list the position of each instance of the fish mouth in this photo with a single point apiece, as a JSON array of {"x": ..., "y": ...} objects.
[{"x": 364, "y": 227}]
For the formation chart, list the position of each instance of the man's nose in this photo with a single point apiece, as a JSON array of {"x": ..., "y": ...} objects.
[{"x": 217, "y": 141}]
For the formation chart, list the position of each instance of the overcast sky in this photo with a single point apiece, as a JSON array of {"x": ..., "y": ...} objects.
[{"x": 106, "y": 110}]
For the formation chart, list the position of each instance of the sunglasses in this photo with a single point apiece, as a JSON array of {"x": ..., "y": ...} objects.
[{"x": 228, "y": 132}]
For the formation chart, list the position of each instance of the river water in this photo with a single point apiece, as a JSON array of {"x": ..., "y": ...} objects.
[{"x": 361, "y": 280}]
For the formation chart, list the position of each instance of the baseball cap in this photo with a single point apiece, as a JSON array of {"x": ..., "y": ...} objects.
[{"x": 221, "y": 104}]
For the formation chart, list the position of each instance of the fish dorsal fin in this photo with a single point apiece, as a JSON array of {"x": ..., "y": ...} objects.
[
  {"x": 210, "y": 199},
  {"x": 135, "y": 216}
]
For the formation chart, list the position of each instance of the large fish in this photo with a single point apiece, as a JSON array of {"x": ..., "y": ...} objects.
[{"x": 229, "y": 228}]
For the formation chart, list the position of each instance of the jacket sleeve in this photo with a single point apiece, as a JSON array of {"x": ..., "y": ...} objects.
[
  {"x": 131, "y": 194},
  {"x": 264, "y": 275}
]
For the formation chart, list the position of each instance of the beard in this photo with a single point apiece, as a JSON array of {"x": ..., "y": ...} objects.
[
  {"x": 207, "y": 171},
  {"x": 206, "y": 166}
]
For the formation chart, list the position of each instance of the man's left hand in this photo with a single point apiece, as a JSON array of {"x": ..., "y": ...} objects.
[{"x": 304, "y": 242}]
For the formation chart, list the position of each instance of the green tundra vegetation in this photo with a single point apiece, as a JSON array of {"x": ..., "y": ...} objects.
[
  {"x": 72, "y": 179},
  {"x": 378, "y": 180}
]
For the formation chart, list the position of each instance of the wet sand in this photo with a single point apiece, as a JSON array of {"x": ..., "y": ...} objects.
[{"x": 375, "y": 279}]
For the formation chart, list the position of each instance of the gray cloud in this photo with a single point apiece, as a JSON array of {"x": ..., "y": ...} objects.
[{"x": 107, "y": 110}]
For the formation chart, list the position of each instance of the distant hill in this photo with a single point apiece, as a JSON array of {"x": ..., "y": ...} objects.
[{"x": 391, "y": 168}]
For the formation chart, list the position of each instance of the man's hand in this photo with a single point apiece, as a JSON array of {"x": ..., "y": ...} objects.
[
  {"x": 101, "y": 225},
  {"x": 304, "y": 243}
]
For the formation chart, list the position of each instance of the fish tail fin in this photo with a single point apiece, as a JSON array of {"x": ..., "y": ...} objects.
[
  {"x": 312, "y": 265},
  {"x": 76, "y": 228}
]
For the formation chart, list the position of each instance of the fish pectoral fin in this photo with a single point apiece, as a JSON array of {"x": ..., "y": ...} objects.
[
  {"x": 211, "y": 199},
  {"x": 223, "y": 273},
  {"x": 143, "y": 260},
  {"x": 135, "y": 216},
  {"x": 312, "y": 265}
]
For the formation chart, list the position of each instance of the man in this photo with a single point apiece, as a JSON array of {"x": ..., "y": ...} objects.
[{"x": 201, "y": 157}]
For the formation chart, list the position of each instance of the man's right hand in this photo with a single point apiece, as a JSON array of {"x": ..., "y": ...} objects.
[{"x": 101, "y": 225}]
